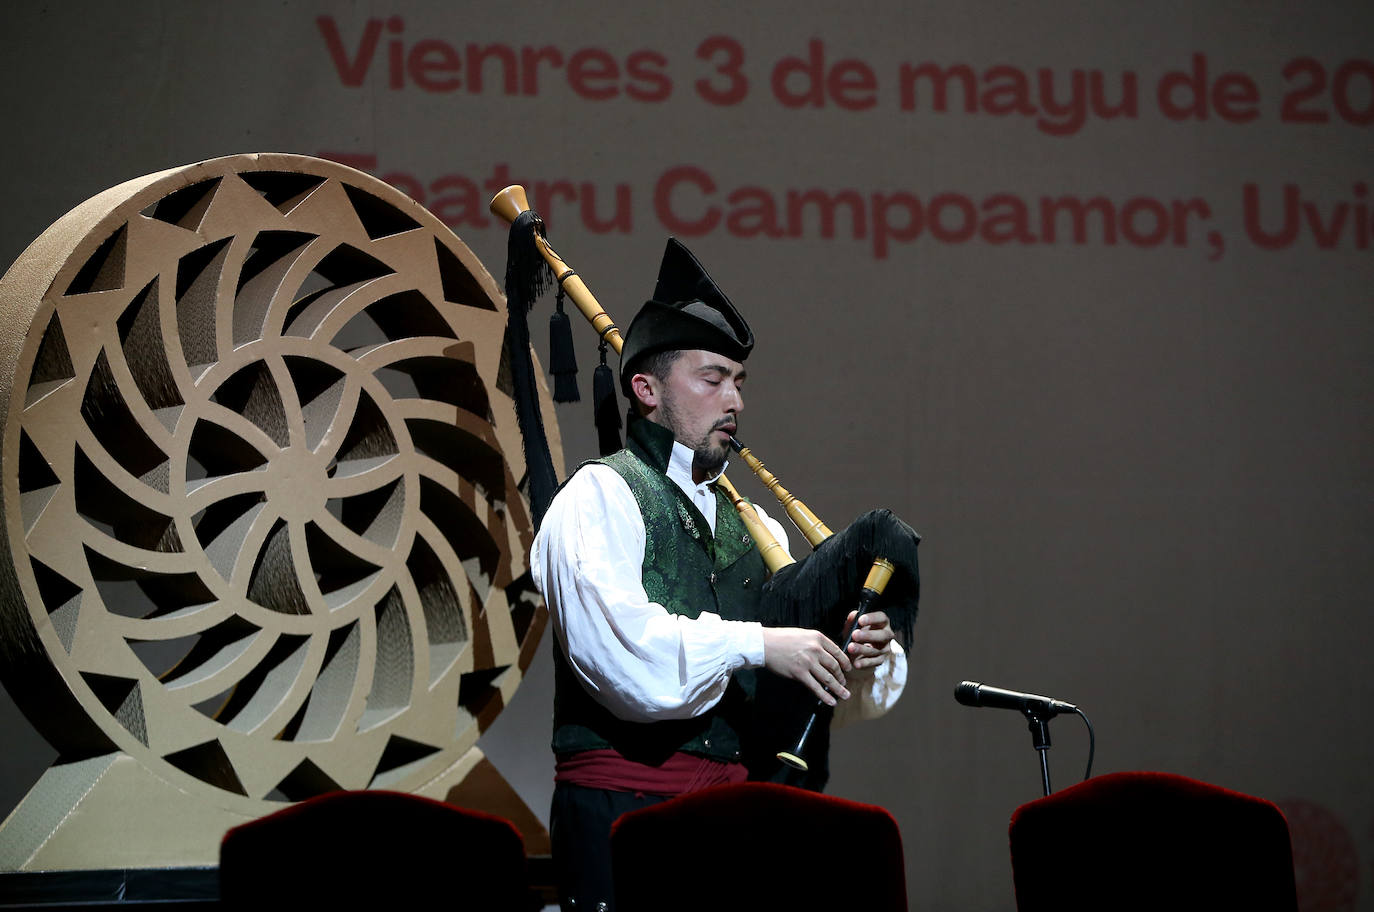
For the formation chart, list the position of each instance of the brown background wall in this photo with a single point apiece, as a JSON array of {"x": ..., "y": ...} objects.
[{"x": 1140, "y": 457}]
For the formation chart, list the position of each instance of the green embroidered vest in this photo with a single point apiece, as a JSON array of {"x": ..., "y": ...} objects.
[{"x": 687, "y": 571}]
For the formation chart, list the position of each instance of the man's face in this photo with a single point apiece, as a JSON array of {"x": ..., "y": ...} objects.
[{"x": 699, "y": 401}]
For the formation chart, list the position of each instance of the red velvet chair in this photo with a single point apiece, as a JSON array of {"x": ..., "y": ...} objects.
[
  {"x": 758, "y": 846},
  {"x": 1154, "y": 841},
  {"x": 376, "y": 849}
]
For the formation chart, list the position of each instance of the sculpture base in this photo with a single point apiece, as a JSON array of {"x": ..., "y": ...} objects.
[{"x": 110, "y": 812}]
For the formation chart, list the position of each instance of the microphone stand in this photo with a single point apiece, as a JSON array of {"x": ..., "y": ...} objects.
[{"x": 1040, "y": 738}]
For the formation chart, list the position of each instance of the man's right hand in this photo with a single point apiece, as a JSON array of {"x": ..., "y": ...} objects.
[{"x": 809, "y": 657}]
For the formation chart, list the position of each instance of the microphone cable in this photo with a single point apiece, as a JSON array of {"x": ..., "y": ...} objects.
[{"x": 1092, "y": 743}]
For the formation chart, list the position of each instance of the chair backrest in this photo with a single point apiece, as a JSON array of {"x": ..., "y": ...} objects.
[
  {"x": 758, "y": 846},
  {"x": 1143, "y": 840},
  {"x": 375, "y": 848}
]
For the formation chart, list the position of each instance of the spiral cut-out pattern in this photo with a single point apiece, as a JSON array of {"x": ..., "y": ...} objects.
[{"x": 260, "y": 484}]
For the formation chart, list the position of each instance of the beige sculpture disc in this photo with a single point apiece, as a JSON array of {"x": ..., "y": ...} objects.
[{"x": 260, "y": 485}]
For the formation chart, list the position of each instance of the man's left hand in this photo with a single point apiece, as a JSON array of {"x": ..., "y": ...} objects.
[{"x": 872, "y": 640}]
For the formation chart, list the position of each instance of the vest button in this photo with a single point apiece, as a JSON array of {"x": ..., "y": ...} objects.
[
  {"x": 706, "y": 742},
  {"x": 713, "y": 577}
]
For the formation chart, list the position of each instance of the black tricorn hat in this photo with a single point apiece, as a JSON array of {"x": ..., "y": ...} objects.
[{"x": 688, "y": 311}]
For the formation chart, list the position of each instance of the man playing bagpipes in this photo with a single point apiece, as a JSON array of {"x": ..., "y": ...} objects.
[{"x": 679, "y": 663}]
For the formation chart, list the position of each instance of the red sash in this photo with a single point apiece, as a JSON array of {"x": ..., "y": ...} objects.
[{"x": 679, "y": 774}]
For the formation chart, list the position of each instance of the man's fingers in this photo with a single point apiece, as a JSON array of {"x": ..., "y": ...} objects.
[
  {"x": 827, "y": 686},
  {"x": 829, "y": 665},
  {"x": 827, "y": 675},
  {"x": 825, "y": 696},
  {"x": 809, "y": 657},
  {"x": 830, "y": 672},
  {"x": 867, "y": 643},
  {"x": 875, "y": 638},
  {"x": 837, "y": 652},
  {"x": 871, "y": 639}
]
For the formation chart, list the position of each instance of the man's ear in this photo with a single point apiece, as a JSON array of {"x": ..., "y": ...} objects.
[{"x": 646, "y": 389}]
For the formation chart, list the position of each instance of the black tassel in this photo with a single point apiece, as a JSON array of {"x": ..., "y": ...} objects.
[
  {"x": 605, "y": 406},
  {"x": 562, "y": 358},
  {"x": 527, "y": 275}
]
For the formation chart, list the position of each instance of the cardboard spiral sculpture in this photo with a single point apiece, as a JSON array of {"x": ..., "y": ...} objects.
[{"x": 264, "y": 537}]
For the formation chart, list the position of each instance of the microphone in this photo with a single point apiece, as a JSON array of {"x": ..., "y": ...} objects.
[{"x": 971, "y": 693}]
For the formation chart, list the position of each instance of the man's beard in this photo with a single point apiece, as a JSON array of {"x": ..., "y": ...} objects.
[{"x": 707, "y": 455}]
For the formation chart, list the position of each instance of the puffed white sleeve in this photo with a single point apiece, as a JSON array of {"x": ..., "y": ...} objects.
[
  {"x": 873, "y": 691},
  {"x": 638, "y": 660}
]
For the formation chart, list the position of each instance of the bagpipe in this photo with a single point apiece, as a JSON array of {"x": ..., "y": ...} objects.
[{"x": 803, "y": 594}]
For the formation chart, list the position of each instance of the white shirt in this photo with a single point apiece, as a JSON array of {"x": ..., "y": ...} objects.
[{"x": 637, "y": 659}]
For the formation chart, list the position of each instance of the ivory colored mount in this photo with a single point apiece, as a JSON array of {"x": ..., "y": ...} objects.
[{"x": 259, "y": 489}]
